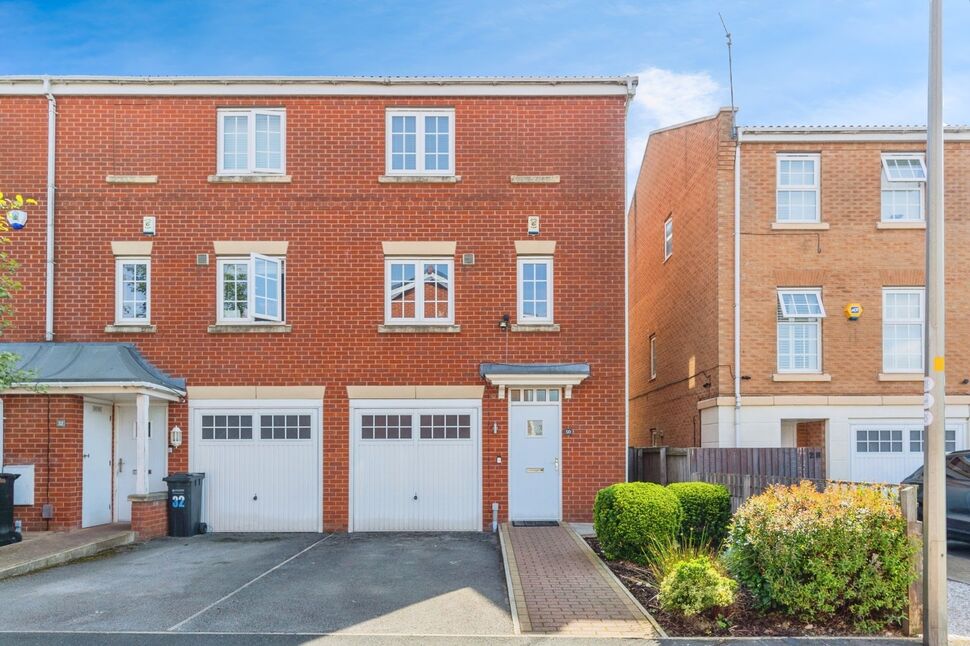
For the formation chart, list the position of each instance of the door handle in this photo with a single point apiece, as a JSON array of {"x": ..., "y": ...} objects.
[{"x": 121, "y": 465}]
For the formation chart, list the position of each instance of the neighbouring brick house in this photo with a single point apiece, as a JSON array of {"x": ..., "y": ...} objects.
[
  {"x": 829, "y": 218},
  {"x": 364, "y": 304}
]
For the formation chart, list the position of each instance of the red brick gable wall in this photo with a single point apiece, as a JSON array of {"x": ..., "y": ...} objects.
[{"x": 335, "y": 215}]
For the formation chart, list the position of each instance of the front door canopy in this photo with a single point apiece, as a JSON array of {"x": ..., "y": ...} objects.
[{"x": 565, "y": 375}]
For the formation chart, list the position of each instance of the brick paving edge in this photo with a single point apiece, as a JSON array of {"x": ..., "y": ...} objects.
[
  {"x": 608, "y": 574},
  {"x": 505, "y": 542}
]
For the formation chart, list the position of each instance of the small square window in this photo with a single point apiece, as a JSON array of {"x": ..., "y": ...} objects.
[{"x": 420, "y": 142}]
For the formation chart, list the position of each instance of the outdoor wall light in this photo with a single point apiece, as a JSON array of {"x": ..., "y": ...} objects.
[{"x": 504, "y": 323}]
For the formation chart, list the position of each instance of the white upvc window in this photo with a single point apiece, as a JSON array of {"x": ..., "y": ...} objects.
[
  {"x": 653, "y": 356},
  {"x": 668, "y": 238},
  {"x": 251, "y": 141},
  {"x": 251, "y": 289},
  {"x": 419, "y": 291},
  {"x": 903, "y": 182},
  {"x": 903, "y": 320},
  {"x": 797, "y": 195},
  {"x": 534, "y": 290},
  {"x": 133, "y": 295},
  {"x": 800, "y": 314},
  {"x": 420, "y": 142}
]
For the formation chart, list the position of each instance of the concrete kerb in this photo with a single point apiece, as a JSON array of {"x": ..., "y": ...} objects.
[
  {"x": 513, "y": 583},
  {"x": 614, "y": 582}
]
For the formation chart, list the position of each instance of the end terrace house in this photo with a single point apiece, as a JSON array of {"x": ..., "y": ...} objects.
[{"x": 355, "y": 304}]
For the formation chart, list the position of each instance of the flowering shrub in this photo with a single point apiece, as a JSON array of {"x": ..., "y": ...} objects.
[
  {"x": 817, "y": 554},
  {"x": 696, "y": 585},
  {"x": 707, "y": 511},
  {"x": 630, "y": 517}
]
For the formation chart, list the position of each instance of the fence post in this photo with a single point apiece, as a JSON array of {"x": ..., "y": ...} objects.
[
  {"x": 913, "y": 624},
  {"x": 663, "y": 465},
  {"x": 745, "y": 488}
]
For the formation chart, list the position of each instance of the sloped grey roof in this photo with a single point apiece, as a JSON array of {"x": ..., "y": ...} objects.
[
  {"x": 72, "y": 363},
  {"x": 533, "y": 369}
]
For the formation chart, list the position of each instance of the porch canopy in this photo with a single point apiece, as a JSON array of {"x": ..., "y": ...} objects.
[
  {"x": 565, "y": 375},
  {"x": 92, "y": 369}
]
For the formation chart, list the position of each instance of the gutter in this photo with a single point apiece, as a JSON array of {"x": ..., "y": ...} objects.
[
  {"x": 737, "y": 291},
  {"x": 51, "y": 193}
]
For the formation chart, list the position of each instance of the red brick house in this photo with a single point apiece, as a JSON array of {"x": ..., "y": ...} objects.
[{"x": 222, "y": 276}]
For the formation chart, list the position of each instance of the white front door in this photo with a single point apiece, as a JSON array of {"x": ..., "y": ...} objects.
[
  {"x": 890, "y": 451},
  {"x": 96, "y": 465},
  {"x": 416, "y": 468},
  {"x": 125, "y": 472},
  {"x": 534, "y": 454},
  {"x": 262, "y": 465}
]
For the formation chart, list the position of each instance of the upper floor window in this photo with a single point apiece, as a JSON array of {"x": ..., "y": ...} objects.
[
  {"x": 903, "y": 179},
  {"x": 668, "y": 238},
  {"x": 250, "y": 289},
  {"x": 797, "y": 198},
  {"x": 535, "y": 290},
  {"x": 420, "y": 142},
  {"x": 419, "y": 290},
  {"x": 653, "y": 356},
  {"x": 800, "y": 314},
  {"x": 133, "y": 291},
  {"x": 252, "y": 141},
  {"x": 903, "y": 316}
]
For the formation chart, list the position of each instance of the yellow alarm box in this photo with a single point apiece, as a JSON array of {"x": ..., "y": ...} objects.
[{"x": 853, "y": 311}]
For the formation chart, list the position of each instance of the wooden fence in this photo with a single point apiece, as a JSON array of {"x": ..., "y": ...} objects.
[
  {"x": 664, "y": 465},
  {"x": 743, "y": 486}
]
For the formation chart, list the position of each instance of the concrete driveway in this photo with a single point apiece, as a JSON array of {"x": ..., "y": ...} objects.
[{"x": 364, "y": 584}]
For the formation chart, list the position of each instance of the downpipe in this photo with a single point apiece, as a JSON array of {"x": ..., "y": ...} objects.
[{"x": 51, "y": 194}]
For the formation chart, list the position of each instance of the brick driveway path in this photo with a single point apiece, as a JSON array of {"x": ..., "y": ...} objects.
[{"x": 559, "y": 585}]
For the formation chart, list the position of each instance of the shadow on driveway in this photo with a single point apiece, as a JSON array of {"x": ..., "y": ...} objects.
[{"x": 422, "y": 584}]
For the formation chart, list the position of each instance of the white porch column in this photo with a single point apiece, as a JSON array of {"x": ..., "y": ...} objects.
[{"x": 141, "y": 444}]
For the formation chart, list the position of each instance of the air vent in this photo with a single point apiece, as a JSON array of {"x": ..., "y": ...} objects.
[
  {"x": 468, "y": 259},
  {"x": 202, "y": 259}
]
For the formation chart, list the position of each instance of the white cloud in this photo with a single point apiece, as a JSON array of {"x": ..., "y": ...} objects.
[{"x": 663, "y": 98}]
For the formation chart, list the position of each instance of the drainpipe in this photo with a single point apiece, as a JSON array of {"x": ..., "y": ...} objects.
[
  {"x": 737, "y": 290},
  {"x": 51, "y": 190}
]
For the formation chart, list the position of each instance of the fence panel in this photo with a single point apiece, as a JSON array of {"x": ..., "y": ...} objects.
[{"x": 664, "y": 465}]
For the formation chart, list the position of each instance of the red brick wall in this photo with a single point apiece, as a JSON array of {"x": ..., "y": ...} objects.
[
  {"x": 810, "y": 434},
  {"x": 31, "y": 436},
  {"x": 677, "y": 298},
  {"x": 149, "y": 518},
  {"x": 335, "y": 215}
]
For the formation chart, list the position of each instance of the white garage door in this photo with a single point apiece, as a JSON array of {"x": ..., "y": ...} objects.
[
  {"x": 890, "y": 452},
  {"x": 262, "y": 468},
  {"x": 416, "y": 469}
]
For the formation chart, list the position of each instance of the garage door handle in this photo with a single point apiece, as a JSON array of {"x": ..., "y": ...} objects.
[
  {"x": 415, "y": 496},
  {"x": 255, "y": 497}
]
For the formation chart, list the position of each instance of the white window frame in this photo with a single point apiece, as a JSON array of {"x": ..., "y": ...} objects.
[
  {"x": 520, "y": 316},
  {"x": 419, "y": 262},
  {"x": 120, "y": 262},
  {"x": 250, "y": 114},
  {"x": 790, "y": 319},
  {"x": 252, "y": 319},
  {"x": 886, "y": 177},
  {"x": 817, "y": 159},
  {"x": 653, "y": 356},
  {"x": 921, "y": 322},
  {"x": 668, "y": 238},
  {"x": 419, "y": 114}
]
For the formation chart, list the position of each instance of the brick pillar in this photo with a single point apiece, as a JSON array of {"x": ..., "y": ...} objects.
[{"x": 149, "y": 515}]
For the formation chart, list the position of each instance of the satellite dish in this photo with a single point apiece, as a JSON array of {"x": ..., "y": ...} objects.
[{"x": 17, "y": 219}]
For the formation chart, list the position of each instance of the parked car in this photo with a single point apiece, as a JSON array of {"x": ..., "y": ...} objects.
[{"x": 957, "y": 494}]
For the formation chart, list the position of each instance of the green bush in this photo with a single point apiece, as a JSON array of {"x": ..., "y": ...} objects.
[
  {"x": 696, "y": 585},
  {"x": 816, "y": 555},
  {"x": 630, "y": 517},
  {"x": 707, "y": 511}
]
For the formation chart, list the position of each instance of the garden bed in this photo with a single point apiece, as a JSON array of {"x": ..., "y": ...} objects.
[{"x": 739, "y": 620}]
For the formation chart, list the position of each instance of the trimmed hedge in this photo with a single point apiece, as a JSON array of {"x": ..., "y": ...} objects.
[
  {"x": 843, "y": 552},
  {"x": 631, "y": 517},
  {"x": 707, "y": 511}
]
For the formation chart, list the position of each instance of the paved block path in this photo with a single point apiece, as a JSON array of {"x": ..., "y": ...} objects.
[{"x": 560, "y": 586}]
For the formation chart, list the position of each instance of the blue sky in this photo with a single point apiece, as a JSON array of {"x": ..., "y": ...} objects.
[{"x": 807, "y": 62}]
